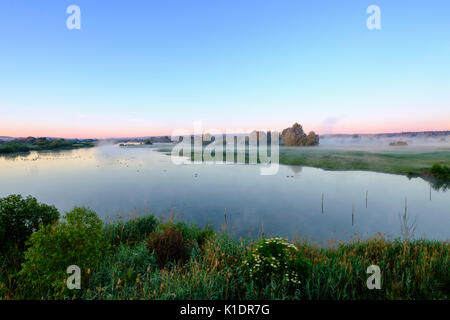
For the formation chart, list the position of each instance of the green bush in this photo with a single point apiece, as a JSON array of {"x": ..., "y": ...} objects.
[
  {"x": 19, "y": 218},
  {"x": 131, "y": 231},
  {"x": 276, "y": 260},
  {"x": 11, "y": 147},
  {"x": 440, "y": 172},
  {"x": 191, "y": 232},
  {"x": 77, "y": 240}
]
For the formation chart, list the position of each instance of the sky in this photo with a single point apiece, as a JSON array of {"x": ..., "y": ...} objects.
[{"x": 140, "y": 68}]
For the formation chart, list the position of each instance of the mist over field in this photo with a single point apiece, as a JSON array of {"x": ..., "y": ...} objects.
[{"x": 383, "y": 141}]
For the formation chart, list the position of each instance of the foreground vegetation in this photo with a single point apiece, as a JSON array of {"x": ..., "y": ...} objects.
[
  {"x": 37, "y": 144},
  {"x": 148, "y": 258}
]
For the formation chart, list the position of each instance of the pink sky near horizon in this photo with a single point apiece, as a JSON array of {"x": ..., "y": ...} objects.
[{"x": 83, "y": 131}]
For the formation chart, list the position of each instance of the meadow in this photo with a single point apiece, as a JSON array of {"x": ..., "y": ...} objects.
[
  {"x": 387, "y": 161},
  {"x": 411, "y": 162}
]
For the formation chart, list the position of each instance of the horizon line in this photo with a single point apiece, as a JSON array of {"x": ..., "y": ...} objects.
[{"x": 206, "y": 132}]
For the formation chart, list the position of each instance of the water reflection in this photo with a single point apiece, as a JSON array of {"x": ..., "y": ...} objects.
[
  {"x": 308, "y": 202},
  {"x": 295, "y": 169}
]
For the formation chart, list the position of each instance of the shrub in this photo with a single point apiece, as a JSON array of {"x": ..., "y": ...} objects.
[
  {"x": 277, "y": 260},
  {"x": 169, "y": 245},
  {"x": 191, "y": 232},
  {"x": 131, "y": 231},
  {"x": 19, "y": 218},
  {"x": 440, "y": 172},
  {"x": 11, "y": 147},
  {"x": 77, "y": 240}
]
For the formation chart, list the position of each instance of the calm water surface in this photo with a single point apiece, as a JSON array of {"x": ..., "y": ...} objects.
[{"x": 113, "y": 180}]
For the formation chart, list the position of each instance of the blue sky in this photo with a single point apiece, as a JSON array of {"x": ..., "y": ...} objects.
[{"x": 148, "y": 67}]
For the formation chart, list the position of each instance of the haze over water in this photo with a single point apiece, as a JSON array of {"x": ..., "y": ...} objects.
[{"x": 128, "y": 181}]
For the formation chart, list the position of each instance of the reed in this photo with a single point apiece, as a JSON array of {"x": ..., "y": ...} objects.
[{"x": 353, "y": 213}]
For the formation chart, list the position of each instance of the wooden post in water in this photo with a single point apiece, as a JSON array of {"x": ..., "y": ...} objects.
[
  {"x": 353, "y": 211},
  {"x": 406, "y": 205},
  {"x": 366, "y": 197},
  {"x": 430, "y": 192},
  {"x": 322, "y": 202}
]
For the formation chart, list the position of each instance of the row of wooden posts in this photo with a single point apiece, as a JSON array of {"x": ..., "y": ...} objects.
[
  {"x": 367, "y": 195},
  {"x": 353, "y": 210}
]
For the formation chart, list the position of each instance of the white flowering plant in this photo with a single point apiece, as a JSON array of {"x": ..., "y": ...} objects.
[{"x": 276, "y": 259}]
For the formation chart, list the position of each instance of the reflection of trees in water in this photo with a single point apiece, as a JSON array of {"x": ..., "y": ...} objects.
[
  {"x": 439, "y": 185},
  {"x": 296, "y": 169},
  {"x": 14, "y": 156},
  {"x": 436, "y": 184},
  {"x": 34, "y": 154}
]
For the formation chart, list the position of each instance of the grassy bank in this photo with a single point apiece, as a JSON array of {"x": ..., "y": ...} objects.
[
  {"x": 148, "y": 258},
  {"x": 412, "y": 163}
]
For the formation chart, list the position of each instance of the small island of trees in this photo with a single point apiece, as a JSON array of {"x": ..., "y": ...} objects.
[
  {"x": 295, "y": 136},
  {"x": 37, "y": 144}
]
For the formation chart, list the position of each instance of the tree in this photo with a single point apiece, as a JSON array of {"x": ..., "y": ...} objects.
[
  {"x": 312, "y": 139},
  {"x": 295, "y": 136},
  {"x": 19, "y": 218},
  {"x": 76, "y": 240}
]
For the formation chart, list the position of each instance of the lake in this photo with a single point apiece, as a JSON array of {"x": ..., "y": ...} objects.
[{"x": 117, "y": 181}]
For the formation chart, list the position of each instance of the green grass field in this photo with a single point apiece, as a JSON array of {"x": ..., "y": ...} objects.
[
  {"x": 395, "y": 161},
  {"x": 407, "y": 161}
]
